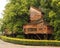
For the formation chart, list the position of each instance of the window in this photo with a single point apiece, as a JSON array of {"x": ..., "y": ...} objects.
[
  {"x": 40, "y": 28},
  {"x": 32, "y": 29},
  {"x": 24, "y": 29},
  {"x": 48, "y": 28}
]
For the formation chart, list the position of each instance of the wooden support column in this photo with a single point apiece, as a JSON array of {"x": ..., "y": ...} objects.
[{"x": 38, "y": 37}]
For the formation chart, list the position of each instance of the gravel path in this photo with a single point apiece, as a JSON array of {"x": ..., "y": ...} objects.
[{"x": 10, "y": 45}]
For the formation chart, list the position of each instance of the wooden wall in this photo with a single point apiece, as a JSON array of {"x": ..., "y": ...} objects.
[
  {"x": 35, "y": 14},
  {"x": 40, "y": 29}
]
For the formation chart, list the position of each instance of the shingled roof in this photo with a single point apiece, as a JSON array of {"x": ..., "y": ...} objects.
[
  {"x": 39, "y": 20},
  {"x": 38, "y": 9}
]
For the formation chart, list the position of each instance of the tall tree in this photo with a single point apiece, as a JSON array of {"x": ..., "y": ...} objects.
[
  {"x": 16, "y": 14},
  {"x": 54, "y": 16}
]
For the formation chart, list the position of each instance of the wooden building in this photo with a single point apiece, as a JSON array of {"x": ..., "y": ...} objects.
[{"x": 37, "y": 27}]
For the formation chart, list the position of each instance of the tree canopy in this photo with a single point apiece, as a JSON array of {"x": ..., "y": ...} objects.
[{"x": 16, "y": 14}]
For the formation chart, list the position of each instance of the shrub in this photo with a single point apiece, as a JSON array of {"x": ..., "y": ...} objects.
[
  {"x": 57, "y": 37},
  {"x": 30, "y": 41},
  {"x": 20, "y": 36}
]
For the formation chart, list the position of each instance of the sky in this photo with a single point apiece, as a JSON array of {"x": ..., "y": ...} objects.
[{"x": 2, "y": 7}]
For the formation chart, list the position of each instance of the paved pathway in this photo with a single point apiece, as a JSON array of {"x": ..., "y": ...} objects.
[{"x": 10, "y": 45}]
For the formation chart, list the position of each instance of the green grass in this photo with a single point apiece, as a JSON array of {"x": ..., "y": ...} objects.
[{"x": 30, "y": 41}]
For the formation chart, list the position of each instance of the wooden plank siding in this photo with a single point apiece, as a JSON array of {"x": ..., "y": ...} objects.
[
  {"x": 35, "y": 14},
  {"x": 30, "y": 26},
  {"x": 36, "y": 26}
]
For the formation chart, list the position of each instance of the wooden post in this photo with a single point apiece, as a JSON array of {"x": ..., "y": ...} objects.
[
  {"x": 38, "y": 36},
  {"x": 45, "y": 36}
]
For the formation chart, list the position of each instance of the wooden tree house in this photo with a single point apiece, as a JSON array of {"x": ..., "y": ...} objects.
[{"x": 37, "y": 27}]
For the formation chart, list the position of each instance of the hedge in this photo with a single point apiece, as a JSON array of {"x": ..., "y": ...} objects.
[{"x": 30, "y": 41}]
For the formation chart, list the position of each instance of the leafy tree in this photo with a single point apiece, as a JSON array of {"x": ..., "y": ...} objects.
[
  {"x": 16, "y": 14},
  {"x": 54, "y": 16},
  {"x": 51, "y": 8}
]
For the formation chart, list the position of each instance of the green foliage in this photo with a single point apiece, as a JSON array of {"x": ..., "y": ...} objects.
[
  {"x": 54, "y": 16},
  {"x": 20, "y": 36},
  {"x": 51, "y": 8},
  {"x": 57, "y": 35},
  {"x": 30, "y": 41},
  {"x": 16, "y": 14}
]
